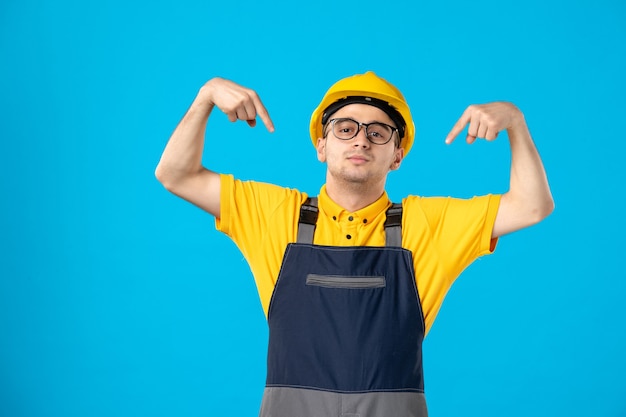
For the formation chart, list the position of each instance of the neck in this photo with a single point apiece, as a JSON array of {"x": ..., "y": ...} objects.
[{"x": 354, "y": 196}]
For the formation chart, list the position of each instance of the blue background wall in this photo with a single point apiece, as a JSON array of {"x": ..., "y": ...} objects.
[{"x": 118, "y": 299}]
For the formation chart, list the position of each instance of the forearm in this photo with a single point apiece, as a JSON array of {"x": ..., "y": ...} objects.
[
  {"x": 182, "y": 157},
  {"x": 528, "y": 200}
]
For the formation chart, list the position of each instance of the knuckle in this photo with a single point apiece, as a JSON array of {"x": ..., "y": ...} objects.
[
  {"x": 229, "y": 108},
  {"x": 474, "y": 108}
]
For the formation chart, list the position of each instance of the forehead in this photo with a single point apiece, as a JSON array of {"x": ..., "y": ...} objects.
[{"x": 363, "y": 113}]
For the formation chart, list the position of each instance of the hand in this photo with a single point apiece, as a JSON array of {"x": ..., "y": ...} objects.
[
  {"x": 486, "y": 121},
  {"x": 237, "y": 102}
]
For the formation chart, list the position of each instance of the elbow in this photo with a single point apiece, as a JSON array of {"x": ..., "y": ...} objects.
[
  {"x": 160, "y": 174},
  {"x": 540, "y": 212},
  {"x": 548, "y": 206},
  {"x": 164, "y": 177},
  {"x": 518, "y": 213}
]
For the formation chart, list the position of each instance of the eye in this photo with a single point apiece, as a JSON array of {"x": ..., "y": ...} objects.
[
  {"x": 379, "y": 131},
  {"x": 345, "y": 127}
]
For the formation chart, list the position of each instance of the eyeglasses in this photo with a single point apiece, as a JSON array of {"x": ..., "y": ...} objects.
[{"x": 377, "y": 133}]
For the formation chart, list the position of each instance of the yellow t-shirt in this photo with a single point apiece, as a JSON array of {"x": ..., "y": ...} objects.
[{"x": 445, "y": 235}]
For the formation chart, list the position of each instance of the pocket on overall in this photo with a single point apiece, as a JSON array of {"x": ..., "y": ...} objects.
[{"x": 346, "y": 281}]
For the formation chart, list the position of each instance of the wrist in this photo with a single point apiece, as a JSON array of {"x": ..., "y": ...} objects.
[
  {"x": 204, "y": 98},
  {"x": 517, "y": 120}
]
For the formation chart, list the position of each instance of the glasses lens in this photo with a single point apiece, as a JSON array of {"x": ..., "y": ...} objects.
[
  {"x": 379, "y": 133},
  {"x": 345, "y": 128}
]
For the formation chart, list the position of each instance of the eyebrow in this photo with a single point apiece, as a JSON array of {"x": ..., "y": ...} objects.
[{"x": 367, "y": 123}]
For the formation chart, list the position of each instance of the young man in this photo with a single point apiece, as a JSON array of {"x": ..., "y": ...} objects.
[{"x": 350, "y": 283}]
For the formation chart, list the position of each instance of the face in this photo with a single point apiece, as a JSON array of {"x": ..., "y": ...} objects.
[{"x": 357, "y": 160}]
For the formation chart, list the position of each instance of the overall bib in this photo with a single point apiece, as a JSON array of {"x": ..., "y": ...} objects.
[{"x": 345, "y": 329}]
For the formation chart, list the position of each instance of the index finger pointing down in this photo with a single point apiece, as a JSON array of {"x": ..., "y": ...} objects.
[
  {"x": 458, "y": 127},
  {"x": 262, "y": 112}
]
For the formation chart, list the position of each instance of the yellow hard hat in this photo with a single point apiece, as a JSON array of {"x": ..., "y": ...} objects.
[{"x": 369, "y": 89}]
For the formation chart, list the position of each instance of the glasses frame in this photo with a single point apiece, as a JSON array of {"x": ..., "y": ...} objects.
[{"x": 331, "y": 123}]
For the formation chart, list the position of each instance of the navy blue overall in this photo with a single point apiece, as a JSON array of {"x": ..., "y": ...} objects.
[{"x": 345, "y": 329}]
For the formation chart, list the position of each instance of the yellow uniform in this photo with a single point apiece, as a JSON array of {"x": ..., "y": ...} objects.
[{"x": 445, "y": 235}]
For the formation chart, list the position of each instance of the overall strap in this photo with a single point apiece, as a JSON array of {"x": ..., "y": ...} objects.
[
  {"x": 308, "y": 219},
  {"x": 393, "y": 226}
]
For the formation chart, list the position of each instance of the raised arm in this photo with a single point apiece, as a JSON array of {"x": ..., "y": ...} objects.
[
  {"x": 180, "y": 169},
  {"x": 528, "y": 200}
]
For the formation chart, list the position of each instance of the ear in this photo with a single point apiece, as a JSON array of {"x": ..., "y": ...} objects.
[
  {"x": 397, "y": 159},
  {"x": 321, "y": 149}
]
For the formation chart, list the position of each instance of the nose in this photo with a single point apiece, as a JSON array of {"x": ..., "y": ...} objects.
[{"x": 361, "y": 137}]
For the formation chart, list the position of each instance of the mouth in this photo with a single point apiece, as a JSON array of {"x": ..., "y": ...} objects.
[{"x": 358, "y": 159}]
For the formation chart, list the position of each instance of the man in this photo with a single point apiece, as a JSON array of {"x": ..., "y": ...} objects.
[{"x": 349, "y": 282}]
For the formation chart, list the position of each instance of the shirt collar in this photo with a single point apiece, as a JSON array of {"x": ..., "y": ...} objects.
[{"x": 336, "y": 212}]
